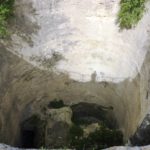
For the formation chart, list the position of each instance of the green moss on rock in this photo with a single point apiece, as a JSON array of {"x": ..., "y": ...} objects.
[
  {"x": 99, "y": 139},
  {"x": 6, "y": 11}
]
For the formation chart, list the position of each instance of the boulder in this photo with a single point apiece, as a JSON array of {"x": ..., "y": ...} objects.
[
  {"x": 60, "y": 115},
  {"x": 58, "y": 125}
]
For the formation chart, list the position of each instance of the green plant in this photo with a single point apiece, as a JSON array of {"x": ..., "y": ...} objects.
[
  {"x": 76, "y": 132},
  {"x": 131, "y": 11},
  {"x": 105, "y": 137},
  {"x": 76, "y": 137},
  {"x": 6, "y": 10},
  {"x": 99, "y": 139}
]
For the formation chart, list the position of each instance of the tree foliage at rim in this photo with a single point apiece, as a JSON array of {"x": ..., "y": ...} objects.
[
  {"x": 6, "y": 11},
  {"x": 131, "y": 12}
]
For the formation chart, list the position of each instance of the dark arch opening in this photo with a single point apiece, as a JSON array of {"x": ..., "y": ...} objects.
[
  {"x": 28, "y": 137},
  {"x": 33, "y": 132}
]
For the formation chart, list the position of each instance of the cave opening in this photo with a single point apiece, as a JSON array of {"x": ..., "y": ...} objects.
[
  {"x": 28, "y": 137},
  {"x": 32, "y": 132},
  {"x": 96, "y": 123},
  {"x": 94, "y": 127}
]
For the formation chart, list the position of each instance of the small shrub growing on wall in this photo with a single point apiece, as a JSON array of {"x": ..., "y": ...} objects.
[
  {"x": 131, "y": 11},
  {"x": 99, "y": 139}
]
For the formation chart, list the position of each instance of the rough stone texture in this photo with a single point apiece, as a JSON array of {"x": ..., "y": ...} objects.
[
  {"x": 63, "y": 115},
  {"x": 6, "y": 147},
  {"x": 57, "y": 134},
  {"x": 57, "y": 128},
  {"x": 129, "y": 148}
]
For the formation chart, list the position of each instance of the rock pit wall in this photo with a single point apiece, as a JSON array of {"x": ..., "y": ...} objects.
[{"x": 25, "y": 86}]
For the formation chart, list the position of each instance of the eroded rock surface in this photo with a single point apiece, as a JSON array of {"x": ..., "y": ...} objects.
[{"x": 58, "y": 126}]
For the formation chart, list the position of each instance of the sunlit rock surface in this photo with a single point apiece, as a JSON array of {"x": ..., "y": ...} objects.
[
  {"x": 86, "y": 37},
  {"x": 6, "y": 147},
  {"x": 129, "y": 148}
]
